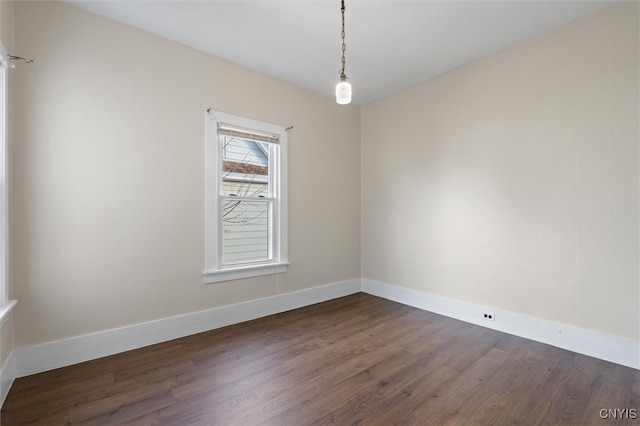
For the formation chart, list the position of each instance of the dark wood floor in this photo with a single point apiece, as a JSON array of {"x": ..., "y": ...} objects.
[{"x": 354, "y": 360}]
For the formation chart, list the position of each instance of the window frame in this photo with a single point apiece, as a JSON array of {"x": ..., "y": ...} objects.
[
  {"x": 215, "y": 270},
  {"x": 6, "y": 305},
  {"x": 4, "y": 296}
]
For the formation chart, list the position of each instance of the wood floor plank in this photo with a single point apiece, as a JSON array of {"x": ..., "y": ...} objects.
[
  {"x": 401, "y": 396},
  {"x": 525, "y": 375},
  {"x": 355, "y": 360},
  {"x": 451, "y": 397}
]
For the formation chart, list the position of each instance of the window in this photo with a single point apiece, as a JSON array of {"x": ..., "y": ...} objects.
[{"x": 246, "y": 227}]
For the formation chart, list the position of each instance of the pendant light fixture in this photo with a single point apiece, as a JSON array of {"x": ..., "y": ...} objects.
[{"x": 343, "y": 89}]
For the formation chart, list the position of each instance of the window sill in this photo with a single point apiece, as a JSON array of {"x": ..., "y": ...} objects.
[
  {"x": 5, "y": 309},
  {"x": 237, "y": 273}
]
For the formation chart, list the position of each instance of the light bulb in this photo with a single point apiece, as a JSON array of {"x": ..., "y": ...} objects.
[{"x": 343, "y": 92}]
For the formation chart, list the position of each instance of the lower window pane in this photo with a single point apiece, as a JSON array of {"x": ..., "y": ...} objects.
[{"x": 245, "y": 231}]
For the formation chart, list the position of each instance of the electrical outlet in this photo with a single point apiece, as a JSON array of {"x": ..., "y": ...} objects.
[{"x": 489, "y": 316}]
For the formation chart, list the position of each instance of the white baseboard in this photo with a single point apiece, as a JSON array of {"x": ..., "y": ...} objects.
[
  {"x": 587, "y": 342},
  {"x": 48, "y": 356},
  {"x": 7, "y": 376},
  {"x": 25, "y": 361}
]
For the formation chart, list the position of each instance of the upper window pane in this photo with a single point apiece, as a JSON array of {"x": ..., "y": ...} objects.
[{"x": 245, "y": 167}]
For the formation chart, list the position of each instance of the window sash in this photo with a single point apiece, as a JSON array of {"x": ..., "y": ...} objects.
[
  {"x": 272, "y": 166},
  {"x": 270, "y": 235},
  {"x": 273, "y": 212}
]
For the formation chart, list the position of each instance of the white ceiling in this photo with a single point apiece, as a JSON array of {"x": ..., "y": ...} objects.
[{"x": 391, "y": 45}]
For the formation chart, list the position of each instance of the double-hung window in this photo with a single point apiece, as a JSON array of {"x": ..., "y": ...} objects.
[{"x": 246, "y": 226}]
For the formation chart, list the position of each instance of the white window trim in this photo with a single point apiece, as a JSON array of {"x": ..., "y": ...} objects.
[
  {"x": 6, "y": 305},
  {"x": 214, "y": 271},
  {"x": 4, "y": 297}
]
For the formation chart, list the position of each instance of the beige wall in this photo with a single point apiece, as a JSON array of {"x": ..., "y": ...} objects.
[
  {"x": 108, "y": 216},
  {"x": 513, "y": 182},
  {"x": 6, "y": 23}
]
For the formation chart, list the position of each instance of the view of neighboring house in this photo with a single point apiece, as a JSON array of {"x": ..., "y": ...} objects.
[{"x": 245, "y": 211}]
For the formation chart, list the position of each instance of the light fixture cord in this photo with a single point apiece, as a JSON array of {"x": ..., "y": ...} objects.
[{"x": 344, "y": 47}]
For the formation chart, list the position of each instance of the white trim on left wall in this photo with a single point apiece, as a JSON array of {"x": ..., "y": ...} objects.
[
  {"x": 7, "y": 376},
  {"x": 7, "y": 369},
  {"x": 61, "y": 353}
]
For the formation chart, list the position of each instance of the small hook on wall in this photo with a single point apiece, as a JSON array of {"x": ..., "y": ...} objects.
[{"x": 20, "y": 58}]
